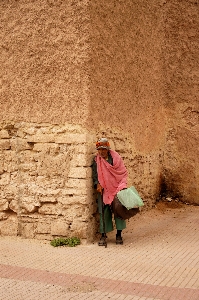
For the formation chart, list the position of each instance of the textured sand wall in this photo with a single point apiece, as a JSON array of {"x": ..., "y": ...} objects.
[
  {"x": 127, "y": 86},
  {"x": 181, "y": 70},
  {"x": 72, "y": 71},
  {"x": 43, "y": 76},
  {"x": 45, "y": 174}
]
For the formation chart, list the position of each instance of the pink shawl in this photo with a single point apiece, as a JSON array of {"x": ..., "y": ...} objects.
[{"x": 111, "y": 178}]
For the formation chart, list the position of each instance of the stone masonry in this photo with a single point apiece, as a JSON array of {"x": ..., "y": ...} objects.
[
  {"x": 45, "y": 180},
  {"x": 46, "y": 184}
]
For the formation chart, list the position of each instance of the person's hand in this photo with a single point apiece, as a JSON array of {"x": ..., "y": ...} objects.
[{"x": 99, "y": 188}]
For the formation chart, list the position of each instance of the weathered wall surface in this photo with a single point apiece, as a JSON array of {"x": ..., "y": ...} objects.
[
  {"x": 43, "y": 57},
  {"x": 181, "y": 69},
  {"x": 72, "y": 71},
  {"x": 127, "y": 86},
  {"x": 45, "y": 181}
]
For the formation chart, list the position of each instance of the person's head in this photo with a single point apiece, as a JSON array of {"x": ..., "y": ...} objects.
[{"x": 103, "y": 147}]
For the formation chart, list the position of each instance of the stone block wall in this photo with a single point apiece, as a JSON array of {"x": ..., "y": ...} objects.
[
  {"x": 45, "y": 181},
  {"x": 145, "y": 170}
]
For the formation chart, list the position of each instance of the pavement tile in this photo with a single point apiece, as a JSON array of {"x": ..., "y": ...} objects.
[{"x": 158, "y": 261}]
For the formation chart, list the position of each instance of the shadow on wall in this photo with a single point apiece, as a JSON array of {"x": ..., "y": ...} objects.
[{"x": 168, "y": 186}]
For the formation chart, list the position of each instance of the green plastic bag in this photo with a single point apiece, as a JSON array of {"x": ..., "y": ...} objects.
[{"x": 130, "y": 198}]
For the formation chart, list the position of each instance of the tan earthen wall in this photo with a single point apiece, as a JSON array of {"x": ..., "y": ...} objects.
[
  {"x": 181, "y": 88},
  {"x": 72, "y": 71},
  {"x": 44, "y": 57},
  {"x": 127, "y": 86},
  {"x": 45, "y": 156}
]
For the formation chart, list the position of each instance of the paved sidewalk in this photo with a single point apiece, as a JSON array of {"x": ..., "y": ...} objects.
[{"x": 159, "y": 260}]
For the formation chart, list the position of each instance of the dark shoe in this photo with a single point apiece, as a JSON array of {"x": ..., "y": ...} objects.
[
  {"x": 102, "y": 241},
  {"x": 119, "y": 240}
]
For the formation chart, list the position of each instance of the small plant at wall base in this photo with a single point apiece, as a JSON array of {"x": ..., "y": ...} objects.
[{"x": 71, "y": 242}]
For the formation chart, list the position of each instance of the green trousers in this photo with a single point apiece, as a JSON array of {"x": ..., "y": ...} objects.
[{"x": 120, "y": 224}]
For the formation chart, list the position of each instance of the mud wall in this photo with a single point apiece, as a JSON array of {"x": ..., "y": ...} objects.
[
  {"x": 127, "y": 102},
  {"x": 45, "y": 157},
  {"x": 181, "y": 88},
  {"x": 72, "y": 71},
  {"x": 44, "y": 53}
]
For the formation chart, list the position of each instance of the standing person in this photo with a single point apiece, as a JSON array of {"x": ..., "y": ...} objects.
[{"x": 109, "y": 177}]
